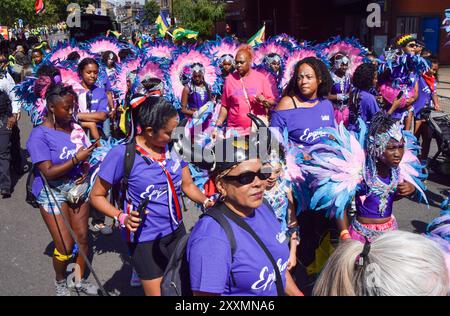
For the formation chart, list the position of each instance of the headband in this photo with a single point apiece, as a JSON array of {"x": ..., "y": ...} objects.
[
  {"x": 377, "y": 145},
  {"x": 228, "y": 58},
  {"x": 405, "y": 39},
  {"x": 198, "y": 68},
  {"x": 274, "y": 59}
]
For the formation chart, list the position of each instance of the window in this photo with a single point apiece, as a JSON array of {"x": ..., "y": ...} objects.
[{"x": 408, "y": 25}]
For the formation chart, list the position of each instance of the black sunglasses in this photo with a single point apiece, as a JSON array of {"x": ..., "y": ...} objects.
[{"x": 249, "y": 176}]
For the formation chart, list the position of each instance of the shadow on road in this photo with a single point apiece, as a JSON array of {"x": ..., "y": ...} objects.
[{"x": 419, "y": 226}]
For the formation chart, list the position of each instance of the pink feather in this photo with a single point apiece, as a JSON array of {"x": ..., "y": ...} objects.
[
  {"x": 407, "y": 172},
  {"x": 353, "y": 53},
  {"x": 61, "y": 54},
  {"x": 103, "y": 45},
  {"x": 291, "y": 61},
  {"x": 160, "y": 51},
  {"x": 184, "y": 60},
  {"x": 223, "y": 49},
  {"x": 265, "y": 49},
  {"x": 71, "y": 78},
  {"x": 151, "y": 70}
]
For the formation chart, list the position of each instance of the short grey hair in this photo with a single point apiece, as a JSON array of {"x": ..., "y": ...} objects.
[{"x": 399, "y": 264}]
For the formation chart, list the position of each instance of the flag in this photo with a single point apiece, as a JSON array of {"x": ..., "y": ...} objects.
[
  {"x": 39, "y": 6},
  {"x": 161, "y": 24},
  {"x": 181, "y": 32},
  {"x": 259, "y": 37}
]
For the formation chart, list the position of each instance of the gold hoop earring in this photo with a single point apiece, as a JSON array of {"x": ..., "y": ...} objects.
[{"x": 222, "y": 198}]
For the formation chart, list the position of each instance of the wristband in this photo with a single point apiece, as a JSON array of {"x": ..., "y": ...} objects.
[
  {"x": 205, "y": 202},
  {"x": 345, "y": 233},
  {"x": 76, "y": 159},
  {"x": 121, "y": 218}
]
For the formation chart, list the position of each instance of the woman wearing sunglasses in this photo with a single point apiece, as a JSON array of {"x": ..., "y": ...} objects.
[{"x": 214, "y": 268}]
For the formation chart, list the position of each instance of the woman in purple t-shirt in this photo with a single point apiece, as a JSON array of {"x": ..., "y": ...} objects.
[
  {"x": 304, "y": 109},
  {"x": 61, "y": 160},
  {"x": 156, "y": 180},
  {"x": 216, "y": 271}
]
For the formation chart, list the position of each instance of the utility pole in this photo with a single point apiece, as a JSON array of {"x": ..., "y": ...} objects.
[{"x": 172, "y": 17}]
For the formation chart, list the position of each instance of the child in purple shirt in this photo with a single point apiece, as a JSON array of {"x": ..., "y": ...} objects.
[{"x": 55, "y": 153}]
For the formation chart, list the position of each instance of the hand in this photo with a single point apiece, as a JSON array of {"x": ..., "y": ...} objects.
[
  {"x": 112, "y": 114},
  {"x": 81, "y": 179},
  {"x": 260, "y": 99},
  {"x": 133, "y": 221},
  {"x": 83, "y": 154},
  {"x": 292, "y": 262},
  {"x": 208, "y": 203},
  {"x": 10, "y": 122},
  {"x": 307, "y": 156},
  {"x": 405, "y": 189},
  {"x": 17, "y": 116}
]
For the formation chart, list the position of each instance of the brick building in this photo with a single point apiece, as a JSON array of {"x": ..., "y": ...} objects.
[{"x": 320, "y": 19}]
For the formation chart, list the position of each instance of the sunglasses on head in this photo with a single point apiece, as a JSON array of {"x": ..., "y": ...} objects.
[{"x": 249, "y": 176}]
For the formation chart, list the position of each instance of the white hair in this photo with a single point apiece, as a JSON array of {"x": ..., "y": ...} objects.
[{"x": 399, "y": 264}]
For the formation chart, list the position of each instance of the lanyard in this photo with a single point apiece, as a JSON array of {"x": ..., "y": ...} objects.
[
  {"x": 171, "y": 187},
  {"x": 246, "y": 95}
]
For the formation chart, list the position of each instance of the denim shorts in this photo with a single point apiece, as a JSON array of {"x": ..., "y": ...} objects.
[{"x": 47, "y": 201}]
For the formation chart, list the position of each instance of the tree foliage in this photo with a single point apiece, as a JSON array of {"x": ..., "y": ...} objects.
[
  {"x": 151, "y": 11},
  {"x": 199, "y": 15},
  {"x": 12, "y": 10}
]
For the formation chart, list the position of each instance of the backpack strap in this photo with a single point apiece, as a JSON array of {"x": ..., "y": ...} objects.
[
  {"x": 130, "y": 155},
  {"x": 219, "y": 217},
  {"x": 242, "y": 224},
  {"x": 217, "y": 214}
]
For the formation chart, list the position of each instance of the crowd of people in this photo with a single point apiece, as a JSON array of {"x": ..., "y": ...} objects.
[{"x": 294, "y": 152}]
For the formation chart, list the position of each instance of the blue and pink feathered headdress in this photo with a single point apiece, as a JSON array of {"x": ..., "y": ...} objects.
[{"x": 182, "y": 61}]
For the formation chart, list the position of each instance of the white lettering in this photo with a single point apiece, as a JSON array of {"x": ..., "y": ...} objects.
[
  {"x": 310, "y": 137},
  {"x": 374, "y": 18},
  {"x": 66, "y": 153},
  {"x": 266, "y": 279}
]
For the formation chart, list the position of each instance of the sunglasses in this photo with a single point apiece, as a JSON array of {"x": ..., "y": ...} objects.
[
  {"x": 249, "y": 176},
  {"x": 412, "y": 45}
]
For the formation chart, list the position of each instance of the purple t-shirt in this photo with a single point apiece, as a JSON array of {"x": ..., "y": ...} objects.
[
  {"x": 304, "y": 124},
  {"x": 99, "y": 101},
  {"x": 368, "y": 106},
  {"x": 367, "y": 204},
  {"x": 47, "y": 144},
  {"x": 210, "y": 262},
  {"x": 425, "y": 96},
  {"x": 146, "y": 180}
]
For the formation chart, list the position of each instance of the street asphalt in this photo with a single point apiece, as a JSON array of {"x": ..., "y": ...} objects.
[{"x": 26, "y": 246}]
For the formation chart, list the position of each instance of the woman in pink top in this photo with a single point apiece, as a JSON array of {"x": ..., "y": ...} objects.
[{"x": 246, "y": 90}]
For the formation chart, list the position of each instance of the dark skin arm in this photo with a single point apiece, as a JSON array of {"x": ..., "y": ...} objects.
[
  {"x": 404, "y": 189},
  {"x": 184, "y": 102},
  {"x": 97, "y": 117},
  {"x": 52, "y": 172}
]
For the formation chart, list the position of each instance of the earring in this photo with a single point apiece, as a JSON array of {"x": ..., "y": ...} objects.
[{"x": 222, "y": 198}]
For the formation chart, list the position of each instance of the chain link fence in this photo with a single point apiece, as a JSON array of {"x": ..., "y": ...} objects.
[{"x": 444, "y": 103}]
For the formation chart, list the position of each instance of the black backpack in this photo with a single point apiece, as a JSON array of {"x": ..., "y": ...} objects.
[
  {"x": 176, "y": 279},
  {"x": 30, "y": 198}
]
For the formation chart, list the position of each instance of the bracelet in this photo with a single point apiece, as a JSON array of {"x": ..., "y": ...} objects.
[
  {"x": 73, "y": 162},
  {"x": 121, "y": 219},
  {"x": 76, "y": 159},
  {"x": 344, "y": 235},
  {"x": 206, "y": 201}
]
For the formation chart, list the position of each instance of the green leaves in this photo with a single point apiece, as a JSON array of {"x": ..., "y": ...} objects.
[
  {"x": 199, "y": 15},
  {"x": 151, "y": 11}
]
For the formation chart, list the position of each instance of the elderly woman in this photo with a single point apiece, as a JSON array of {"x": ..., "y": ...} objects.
[
  {"x": 394, "y": 264},
  {"x": 245, "y": 91},
  {"x": 217, "y": 265}
]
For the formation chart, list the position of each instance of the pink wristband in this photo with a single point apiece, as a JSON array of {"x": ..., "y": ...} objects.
[{"x": 122, "y": 218}]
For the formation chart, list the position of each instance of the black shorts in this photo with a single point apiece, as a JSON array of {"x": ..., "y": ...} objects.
[{"x": 150, "y": 258}]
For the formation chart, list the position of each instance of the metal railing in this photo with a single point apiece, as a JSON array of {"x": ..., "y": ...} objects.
[{"x": 444, "y": 103}]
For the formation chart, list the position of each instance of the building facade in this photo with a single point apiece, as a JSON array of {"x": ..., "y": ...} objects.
[{"x": 320, "y": 19}]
